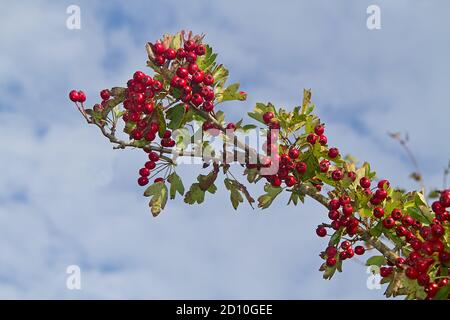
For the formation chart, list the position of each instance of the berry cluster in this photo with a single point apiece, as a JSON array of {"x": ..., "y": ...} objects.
[
  {"x": 429, "y": 258},
  {"x": 291, "y": 168},
  {"x": 189, "y": 83},
  {"x": 77, "y": 96}
]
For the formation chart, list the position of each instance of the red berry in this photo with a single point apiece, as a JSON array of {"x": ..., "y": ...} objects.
[
  {"x": 81, "y": 96},
  {"x": 153, "y": 156},
  {"x": 268, "y": 116},
  {"x": 437, "y": 230},
  {"x": 189, "y": 45},
  {"x": 383, "y": 183},
  {"x": 74, "y": 96},
  {"x": 351, "y": 175},
  {"x": 157, "y": 85},
  {"x": 324, "y": 165},
  {"x": 159, "y": 180},
  {"x": 396, "y": 214},
  {"x": 411, "y": 273},
  {"x": 148, "y": 108},
  {"x": 385, "y": 271},
  {"x": 105, "y": 94},
  {"x": 170, "y": 54},
  {"x": 142, "y": 181},
  {"x": 311, "y": 138},
  {"x": 150, "y": 165},
  {"x": 331, "y": 251},
  {"x": 147, "y": 81},
  {"x": 407, "y": 221},
  {"x": 193, "y": 68},
  {"x": 347, "y": 209},
  {"x": 378, "y": 212},
  {"x": 345, "y": 244},
  {"x": 138, "y": 76},
  {"x": 231, "y": 126},
  {"x": 294, "y": 153},
  {"x": 159, "y": 60},
  {"x": 389, "y": 223},
  {"x": 364, "y": 182},
  {"x": 323, "y": 140},
  {"x": 321, "y": 231},
  {"x": 319, "y": 129},
  {"x": 200, "y": 50},
  {"x": 191, "y": 57},
  {"x": 333, "y": 215},
  {"x": 437, "y": 207},
  {"x": 331, "y": 261},
  {"x": 158, "y": 48},
  {"x": 182, "y": 72},
  {"x": 197, "y": 99},
  {"x": 137, "y": 134},
  {"x": 208, "y": 80},
  {"x": 181, "y": 53},
  {"x": 301, "y": 167},
  {"x": 150, "y": 136},
  {"x": 333, "y": 153},
  {"x": 381, "y": 194},
  {"x": 198, "y": 76},
  {"x": 334, "y": 204},
  {"x": 423, "y": 279},
  {"x": 359, "y": 250},
  {"x": 208, "y": 106},
  {"x": 145, "y": 172},
  {"x": 401, "y": 231},
  {"x": 445, "y": 198},
  {"x": 290, "y": 181},
  {"x": 344, "y": 199},
  {"x": 276, "y": 182},
  {"x": 337, "y": 175}
]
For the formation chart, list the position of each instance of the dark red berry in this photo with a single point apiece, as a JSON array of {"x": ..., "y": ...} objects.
[
  {"x": 153, "y": 156},
  {"x": 142, "y": 181},
  {"x": 364, "y": 182},
  {"x": 319, "y": 129},
  {"x": 333, "y": 153},
  {"x": 321, "y": 231},
  {"x": 359, "y": 250},
  {"x": 105, "y": 94},
  {"x": 73, "y": 96},
  {"x": 158, "y": 48}
]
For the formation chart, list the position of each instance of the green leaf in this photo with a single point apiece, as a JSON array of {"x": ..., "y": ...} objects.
[
  {"x": 266, "y": 200},
  {"x": 434, "y": 194},
  {"x": 251, "y": 174},
  {"x": 419, "y": 215},
  {"x": 443, "y": 293},
  {"x": 235, "y": 196},
  {"x": 161, "y": 122},
  {"x": 207, "y": 60},
  {"x": 376, "y": 261},
  {"x": 194, "y": 195},
  {"x": 158, "y": 192},
  {"x": 175, "y": 114},
  {"x": 377, "y": 230},
  {"x": 248, "y": 127},
  {"x": 230, "y": 93},
  {"x": 220, "y": 74},
  {"x": 176, "y": 185},
  {"x": 176, "y": 41},
  {"x": 336, "y": 237}
]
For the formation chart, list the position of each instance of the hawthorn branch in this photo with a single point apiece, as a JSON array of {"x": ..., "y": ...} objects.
[{"x": 364, "y": 234}]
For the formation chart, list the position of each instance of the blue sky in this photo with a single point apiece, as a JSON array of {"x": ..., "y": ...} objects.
[{"x": 67, "y": 198}]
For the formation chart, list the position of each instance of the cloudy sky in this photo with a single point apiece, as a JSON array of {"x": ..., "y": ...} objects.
[{"x": 67, "y": 198}]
